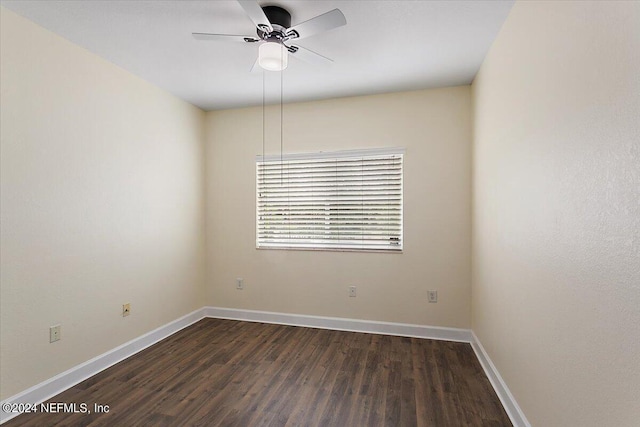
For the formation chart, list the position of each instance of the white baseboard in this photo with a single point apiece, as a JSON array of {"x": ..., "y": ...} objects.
[
  {"x": 65, "y": 380},
  {"x": 342, "y": 324},
  {"x": 508, "y": 401},
  {"x": 61, "y": 382}
]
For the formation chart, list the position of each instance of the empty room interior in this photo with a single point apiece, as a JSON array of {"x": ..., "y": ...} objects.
[{"x": 320, "y": 213}]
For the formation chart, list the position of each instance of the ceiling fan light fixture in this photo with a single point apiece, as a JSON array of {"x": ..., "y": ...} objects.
[{"x": 273, "y": 56}]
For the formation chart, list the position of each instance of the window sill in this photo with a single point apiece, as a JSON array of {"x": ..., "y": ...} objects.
[{"x": 375, "y": 251}]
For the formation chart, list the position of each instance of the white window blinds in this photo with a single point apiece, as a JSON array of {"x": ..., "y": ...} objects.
[{"x": 344, "y": 200}]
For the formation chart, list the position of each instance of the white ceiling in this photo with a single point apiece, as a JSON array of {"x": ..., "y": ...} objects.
[{"x": 386, "y": 46}]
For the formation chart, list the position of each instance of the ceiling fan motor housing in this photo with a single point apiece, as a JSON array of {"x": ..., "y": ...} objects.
[{"x": 280, "y": 20}]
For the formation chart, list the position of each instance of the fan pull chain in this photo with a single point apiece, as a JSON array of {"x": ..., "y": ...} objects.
[{"x": 281, "y": 125}]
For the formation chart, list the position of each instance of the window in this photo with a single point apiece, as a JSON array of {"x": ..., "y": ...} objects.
[{"x": 350, "y": 200}]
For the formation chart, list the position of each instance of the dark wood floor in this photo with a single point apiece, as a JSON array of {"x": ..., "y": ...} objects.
[{"x": 230, "y": 373}]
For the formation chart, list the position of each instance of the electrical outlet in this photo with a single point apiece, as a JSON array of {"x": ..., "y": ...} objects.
[
  {"x": 432, "y": 296},
  {"x": 352, "y": 291},
  {"x": 240, "y": 283},
  {"x": 54, "y": 333},
  {"x": 126, "y": 309}
]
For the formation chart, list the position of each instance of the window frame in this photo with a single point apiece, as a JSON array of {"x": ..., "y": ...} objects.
[{"x": 331, "y": 155}]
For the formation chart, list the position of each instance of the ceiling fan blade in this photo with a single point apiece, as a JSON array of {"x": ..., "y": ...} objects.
[
  {"x": 325, "y": 22},
  {"x": 256, "y": 14},
  {"x": 309, "y": 56},
  {"x": 225, "y": 37}
]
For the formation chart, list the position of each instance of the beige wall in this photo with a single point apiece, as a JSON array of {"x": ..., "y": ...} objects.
[
  {"x": 101, "y": 205},
  {"x": 435, "y": 128},
  {"x": 556, "y": 252}
]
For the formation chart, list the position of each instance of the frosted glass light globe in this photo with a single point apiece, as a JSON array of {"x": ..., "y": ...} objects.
[{"x": 273, "y": 56}]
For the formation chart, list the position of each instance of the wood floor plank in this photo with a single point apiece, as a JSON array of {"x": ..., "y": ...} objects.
[{"x": 230, "y": 373}]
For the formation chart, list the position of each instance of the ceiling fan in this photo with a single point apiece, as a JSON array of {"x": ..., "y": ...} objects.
[{"x": 276, "y": 35}]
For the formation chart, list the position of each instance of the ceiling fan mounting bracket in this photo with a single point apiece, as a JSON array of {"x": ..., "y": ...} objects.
[{"x": 277, "y": 15}]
